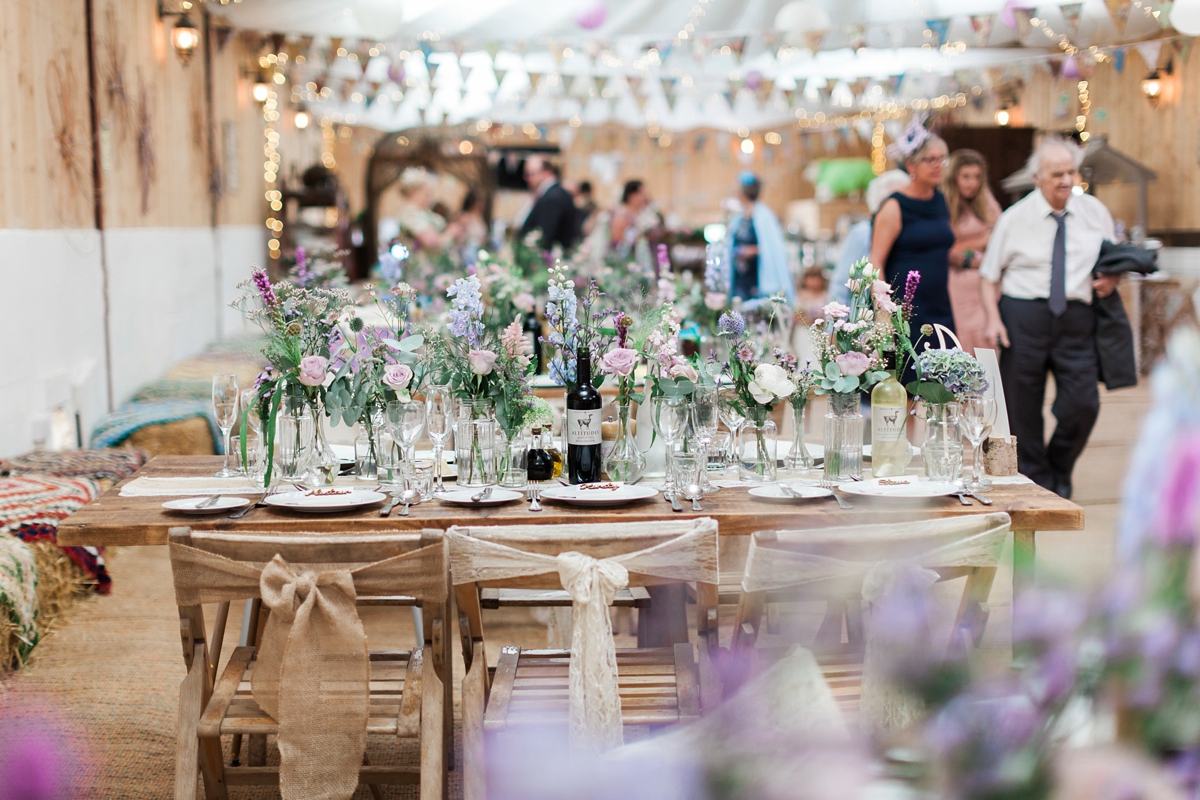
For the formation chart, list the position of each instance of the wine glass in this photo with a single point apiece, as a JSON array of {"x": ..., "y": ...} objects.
[
  {"x": 225, "y": 407},
  {"x": 438, "y": 419},
  {"x": 670, "y": 418},
  {"x": 977, "y": 415},
  {"x": 733, "y": 420},
  {"x": 689, "y": 472},
  {"x": 705, "y": 420}
]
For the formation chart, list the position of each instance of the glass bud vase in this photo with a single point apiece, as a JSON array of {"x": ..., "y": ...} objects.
[
  {"x": 625, "y": 461},
  {"x": 756, "y": 448},
  {"x": 798, "y": 457},
  {"x": 324, "y": 461},
  {"x": 367, "y": 446},
  {"x": 843, "y": 439},
  {"x": 942, "y": 450},
  {"x": 475, "y": 443},
  {"x": 512, "y": 449},
  {"x": 294, "y": 438}
]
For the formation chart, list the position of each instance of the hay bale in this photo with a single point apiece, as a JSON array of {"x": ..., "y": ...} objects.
[
  {"x": 60, "y": 586},
  {"x": 185, "y": 437}
]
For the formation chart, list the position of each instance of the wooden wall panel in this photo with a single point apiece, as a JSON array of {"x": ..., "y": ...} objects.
[
  {"x": 45, "y": 152},
  {"x": 238, "y": 127}
]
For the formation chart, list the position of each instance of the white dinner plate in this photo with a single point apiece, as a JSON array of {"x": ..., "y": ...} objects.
[
  {"x": 188, "y": 505},
  {"x": 901, "y": 487},
  {"x": 599, "y": 494},
  {"x": 322, "y": 501},
  {"x": 462, "y": 497},
  {"x": 773, "y": 492}
]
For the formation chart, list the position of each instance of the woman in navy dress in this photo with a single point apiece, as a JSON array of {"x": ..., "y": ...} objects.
[{"x": 912, "y": 232}]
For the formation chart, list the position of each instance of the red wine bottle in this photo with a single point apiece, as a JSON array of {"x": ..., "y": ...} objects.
[{"x": 583, "y": 424}]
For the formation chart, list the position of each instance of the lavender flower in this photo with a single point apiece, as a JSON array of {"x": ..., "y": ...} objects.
[
  {"x": 731, "y": 324},
  {"x": 910, "y": 291},
  {"x": 263, "y": 284},
  {"x": 466, "y": 310}
]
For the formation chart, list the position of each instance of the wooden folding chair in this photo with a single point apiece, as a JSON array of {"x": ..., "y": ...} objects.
[
  {"x": 528, "y": 688},
  {"x": 409, "y": 691},
  {"x": 830, "y": 564}
]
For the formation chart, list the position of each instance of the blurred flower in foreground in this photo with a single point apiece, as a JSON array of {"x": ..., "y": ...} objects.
[{"x": 39, "y": 756}]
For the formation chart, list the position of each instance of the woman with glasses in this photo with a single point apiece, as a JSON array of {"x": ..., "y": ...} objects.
[{"x": 912, "y": 230}]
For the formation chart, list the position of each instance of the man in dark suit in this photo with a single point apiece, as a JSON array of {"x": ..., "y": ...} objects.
[{"x": 553, "y": 211}]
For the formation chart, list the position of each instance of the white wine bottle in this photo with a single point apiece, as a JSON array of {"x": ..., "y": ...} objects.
[{"x": 889, "y": 436}]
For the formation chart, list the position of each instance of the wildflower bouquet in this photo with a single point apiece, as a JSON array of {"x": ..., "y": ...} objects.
[
  {"x": 575, "y": 324},
  {"x": 849, "y": 340},
  {"x": 944, "y": 376},
  {"x": 301, "y": 326},
  {"x": 756, "y": 385},
  {"x": 622, "y": 359},
  {"x": 320, "y": 269},
  {"x": 505, "y": 291},
  {"x": 668, "y": 372}
]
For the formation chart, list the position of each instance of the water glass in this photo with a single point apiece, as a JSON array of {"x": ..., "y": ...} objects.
[
  {"x": 439, "y": 418},
  {"x": 706, "y": 418},
  {"x": 256, "y": 459},
  {"x": 687, "y": 472},
  {"x": 670, "y": 419},
  {"x": 420, "y": 478},
  {"x": 718, "y": 452},
  {"x": 225, "y": 408}
]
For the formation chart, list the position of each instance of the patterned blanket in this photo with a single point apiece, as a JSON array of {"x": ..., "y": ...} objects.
[
  {"x": 18, "y": 592},
  {"x": 117, "y": 426},
  {"x": 88, "y": 559},
  {"x": 113, "y": 465}
]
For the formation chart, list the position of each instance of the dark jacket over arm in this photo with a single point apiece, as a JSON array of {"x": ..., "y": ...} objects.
[
  {"x": 1114, "y": 335},
  {"x": 554, "y": 214}
]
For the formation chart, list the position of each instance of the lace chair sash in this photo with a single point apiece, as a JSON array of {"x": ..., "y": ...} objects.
[
  {"x": 313, "y": 668},
  {"x": 594, "y": 703}
]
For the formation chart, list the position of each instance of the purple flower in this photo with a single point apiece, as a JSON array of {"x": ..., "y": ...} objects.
[
  {"x": 1180, "y": 499},
  {"x": 664, "y": 258},
  {"x": 301, "y": 258},
  {"x": 263, "y": 284},
  {"x": 731, "y": 324},
  {"x": 910, "y": 291}
]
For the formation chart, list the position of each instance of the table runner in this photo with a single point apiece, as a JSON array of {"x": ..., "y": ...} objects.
[
  {"x": 312, "y": 669},
  {"x": 594, "y": 713}
]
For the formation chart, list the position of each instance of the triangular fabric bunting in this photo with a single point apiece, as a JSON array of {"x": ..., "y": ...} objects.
[
  {"x": 1023, "y": 16},
  {"x": 1162, "y": 13},
  {"x": 1071, "y": 13},
  {"x": 1184, "y": 47},
  {"x": 814, "y": 39},
  {"x": 1119, "y": 11},
  {"x": 939, "y": 28},
  {"x": 856, "y": 36},
  {"x": 982, "y": 25},
  {"x": 1150, "y": 52}
]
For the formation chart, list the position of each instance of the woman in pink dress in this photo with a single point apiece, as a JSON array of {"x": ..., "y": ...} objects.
[{"x": 973, "y": 213}]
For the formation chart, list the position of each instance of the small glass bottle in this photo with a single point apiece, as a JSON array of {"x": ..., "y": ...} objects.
[
  {"x": 889, "y": 421},
  {"x": 539, "y": 464}
]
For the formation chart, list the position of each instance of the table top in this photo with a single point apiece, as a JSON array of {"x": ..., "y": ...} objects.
[{"x": 116, "y": 520}]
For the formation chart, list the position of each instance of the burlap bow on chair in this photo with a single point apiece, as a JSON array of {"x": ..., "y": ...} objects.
[
  {"x": 312, "y": 670},
  {"x": 594, "y": 701}
]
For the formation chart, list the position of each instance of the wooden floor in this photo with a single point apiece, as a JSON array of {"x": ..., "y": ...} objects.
[{"x": 105, "y": 686}]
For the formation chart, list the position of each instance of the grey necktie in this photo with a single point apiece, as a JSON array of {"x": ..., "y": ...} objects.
[{"x": 1058, "y": 268}]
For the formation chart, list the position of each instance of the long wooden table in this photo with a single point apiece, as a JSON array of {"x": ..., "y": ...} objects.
[{"x": 116, "y": 520}]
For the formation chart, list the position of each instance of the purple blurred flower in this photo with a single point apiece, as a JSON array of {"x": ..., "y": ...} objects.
[
  {"x": 910, "y": 291},
  {"x": 1047, "y": 616},
  {"x": 731, "y": 324},
  {"x": 1178, "y": 503}
]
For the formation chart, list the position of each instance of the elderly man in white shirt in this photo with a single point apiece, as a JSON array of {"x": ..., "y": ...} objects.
[{"x": 1037, "y": 287}]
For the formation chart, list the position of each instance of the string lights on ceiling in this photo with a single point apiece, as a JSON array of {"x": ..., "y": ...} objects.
[{"x": 270, "y": 112}]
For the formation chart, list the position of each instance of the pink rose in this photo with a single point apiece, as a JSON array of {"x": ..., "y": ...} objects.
[
  {"x": 714, "y": 301},
  {"x": 620, "y": 361},
  {"x": 523, "y": 301},
  {"x": 684, "y": 370},
  {"x": 482, "y": 361},
  {"x": 882, "y": 292},
  {"x": 836, "y": 310},
  {"x": 852, "y": 364},
  {"x": 398, "y": 376},
  {"x": 312, "y": 370}
]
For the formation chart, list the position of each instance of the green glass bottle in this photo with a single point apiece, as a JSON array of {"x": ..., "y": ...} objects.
[{"x": 889, "y": 420}]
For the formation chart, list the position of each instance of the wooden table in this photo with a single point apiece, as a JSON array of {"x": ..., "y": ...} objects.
[{"x": 116, "y": 520}]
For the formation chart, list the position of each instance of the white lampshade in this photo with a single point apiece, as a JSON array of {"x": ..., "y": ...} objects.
[{"x": 1185, "y": 17}]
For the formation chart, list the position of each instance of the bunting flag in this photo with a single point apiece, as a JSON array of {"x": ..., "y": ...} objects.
[
  {"x": 1150, "y": 51},
  {"x": 1184, "y": 47},
  {"x": 1118, "y": 57},
  {"x": 982, "y": 25},
  {"x": 856, "y": 36},
  {"x": 1071, "y": 13},
  {"x": 1119, "y": 11},
  {"x": 939, "y": 28},
  {"x": 814, "y": 39},
  {"x": 1162, "y": 13},
  {"x": 896, "y": 32},
  {"x": 1023, "y": 16}
]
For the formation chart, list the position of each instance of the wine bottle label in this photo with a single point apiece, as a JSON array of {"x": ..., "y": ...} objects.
[
  {"x": 887, "y": 424},
  {"x": 583, "y": 427}
]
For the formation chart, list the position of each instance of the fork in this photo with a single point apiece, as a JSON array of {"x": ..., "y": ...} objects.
[
  {"x": 241, "y": 512},
  {"x": 212, "y": 501},
  {"x": 531, "y": 494},
  {"x": 841, "y": 503},
  {"x": 481, "y": 496}
]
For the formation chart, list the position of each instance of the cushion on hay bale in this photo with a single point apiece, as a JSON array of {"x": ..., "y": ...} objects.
[
  {"x": 120, "y": 425},
  {"x": 18, "y": 601},
  {"x": 187, "y": 437},
  {"x": 90, "y": 571},
  {"x": 99, "y": 465},
  {"x": 41, "y": 499}
]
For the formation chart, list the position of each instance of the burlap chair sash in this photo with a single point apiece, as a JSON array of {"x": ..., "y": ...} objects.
[
  {"x": 594, "y": 703},
  {"x": 918, "y": 547},
  {"x": 312, "y": 669}
]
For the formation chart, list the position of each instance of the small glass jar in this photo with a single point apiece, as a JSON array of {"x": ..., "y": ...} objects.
[
  {"x": 942, "y": 449},
  {"x": 757, "y": 447},
  {"x": 512, "y": 449}
]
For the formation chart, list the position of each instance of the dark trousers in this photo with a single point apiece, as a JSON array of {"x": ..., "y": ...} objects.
[{"x": 1064, "y": 346}]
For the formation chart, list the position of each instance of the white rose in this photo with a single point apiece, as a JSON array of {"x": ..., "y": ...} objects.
[{"x": 770, "y": 384}]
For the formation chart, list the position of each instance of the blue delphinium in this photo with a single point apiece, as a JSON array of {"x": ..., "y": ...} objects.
[{"x": 466, "y": 309}]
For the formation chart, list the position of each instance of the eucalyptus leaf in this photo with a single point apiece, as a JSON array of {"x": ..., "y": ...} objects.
[{"x": 832, "y": 372}]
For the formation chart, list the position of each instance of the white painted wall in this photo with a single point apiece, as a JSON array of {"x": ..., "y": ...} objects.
[{"x": 168, "y": 287}]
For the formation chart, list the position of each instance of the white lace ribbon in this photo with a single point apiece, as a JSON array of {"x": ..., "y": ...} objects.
[{"x": 594, "y": 701}]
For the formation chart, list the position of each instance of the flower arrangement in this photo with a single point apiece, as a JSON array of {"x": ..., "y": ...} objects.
[
  {"x": 944, "y": 376},
  {"x": 621, "y": 360},
  {"x": 757, "y": 385},
  {"x": 849, "y": 340},
  {"x": 320, "y": 269},
  {"x": 575, "y": 324},
  {"x": 804, "y": 379},
  {"x": 668, "y": 372}
]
